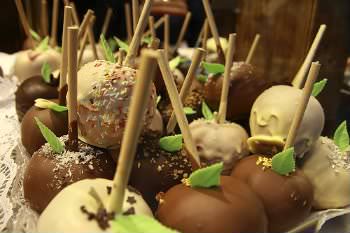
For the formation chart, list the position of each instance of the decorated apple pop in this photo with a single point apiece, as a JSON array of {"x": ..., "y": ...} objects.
[
  {"x": 208, "y": 202},
  {"x": 285, "y": 191},
  {"x": 63, "y": 161},
  {"x": 28, "y": 63},
  {"x": 223, "y": 141},
  {"x": 70, "y": 210},
  {"x": 104, "y": 94},
  {"x": 328, "y": 168},
  {"x": 52, "y": 114},
  {"x": 160, "y": 163}
]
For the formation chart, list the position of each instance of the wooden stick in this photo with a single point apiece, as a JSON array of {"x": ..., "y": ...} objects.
[
  {"x": 54, "y": 23},
  {"x": 252, "y": 48},
  {"x": 157, "y": 24},
  {"x": 183, "y": 31},
  {"x": 82, "y": 47},
  {"x": 128, "y": 21},
  {"x": 151, "y": 27},
  {"x": 90, "y": 30},
  {"x": 67, "y": 22},
  {"x": 299, "y": 78},
  {"x": 44, "y": 18},
  {"x": 24, "y": 21},
  {"x": 155, "y": 44},
  {"x": 186, "y": 87},
  {"x": 85, "y": 22},
  {"x": 167, "y": 36},
  {"x": 298, "y": 117},
  {"x": 205, "y": 34},
  {"x": 73, "y": 88},
  {"x": 75, "y": 14},
  {"x": 136, "y": 39},
  {"x": 66, "y": 3},
  {"x": 135, "y": 13},
  {"x": 133, "y": 129},
  {"x": 227, "y": 78},
  {"x": 121, "y": 56},
  {"x": 178, "y": 109},
  {"x": 214, "y": 30},
  {"x": 107, "y": 21},
  {"x": 200, "y": 35}
]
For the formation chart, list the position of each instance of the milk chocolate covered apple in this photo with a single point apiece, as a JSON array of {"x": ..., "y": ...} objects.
[
  {"x": 172, "y": 7},
  {"x": 212, "y": 204},
  {"x": 287, "y": 198},
  {"x": 104, "y": 93},
  {"x": 155, "y": 169},
  {"x": 51, "y": 114},
  {"x": 271, "y": 117},
  {"x": 327, "y": 166},
  {"x": 41, "y": 86},
  {"x": 77, "y": 209}
]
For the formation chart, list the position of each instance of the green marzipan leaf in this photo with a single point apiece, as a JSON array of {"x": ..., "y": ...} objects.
[
  {"x": 189, "y": 111},
  {"x": 147, "y": 40},
  {"x": 112, "y": 44},
  {"x": 283, "y": 163},
  {"x": 43, "y": 46},
  {"x": 35, "y": 35},
  {"x": 121, "y": 44},
  {"x": 341, "y": 137},
  {"x": 206, "y": 177},
  {"x": 207, "y": 113},
  {"x": 171, "y": 143},
  {"x": 138, "y": 224},
  {"x": 50, "y": 137},
  {"x": 158, "y": 99},
  {"x": 202, "y": 78},
  {"x": 58, "y": 108},
  {"x": 318, "y": 87},
  {"x": 213, "y": 68},
  {"x": 175, "y": 62},
  {"x": 46, "y": 72},
  {"x": 107, "y": 50}
]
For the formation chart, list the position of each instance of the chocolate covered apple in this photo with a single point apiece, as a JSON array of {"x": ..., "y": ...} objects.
[
  {"x": 208, "y": 202},
  {"x": 327, "y": 166}
]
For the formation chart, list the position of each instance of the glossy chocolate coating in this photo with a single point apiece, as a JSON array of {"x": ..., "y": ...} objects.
[
  {"x": 231, "y": 208},
  {"x": 172, "y": 7},
  {"x": 32, "y": 89},
  {"x": 32, "y": 138},
  {"x": 245, "y": 87},
  {"x": 47, "y": 173},
  {"x": 287, "y": 199},
  {"x": 156, "y": 170}
]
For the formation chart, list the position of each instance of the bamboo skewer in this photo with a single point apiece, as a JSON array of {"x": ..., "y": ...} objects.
[
  {"x": 83, "y": 46},
  {"x": 157, "y": 24},
  {"x": 182, "y": 31},
  {"x": 178, "y": 109},
  {"x": 252, "y": 49},
  {"x": 221, "y": 118},
  {"x": 151, "y": 27},
  {"x": 299, "y": 78},
  {"x": 91, "y": 36},
  {"x": 75, "y": 14},
  {"x": 205, "y": 34},
  {"x": 155, "y": 44},
  {"x": 298, "y": 117},
  {"x": 73, "y": 88},
  {"x": 214, "y": 30},
  {"x": 24, "y": 22},
  {"x": 128, "y": 21},
  {"x": 135, "y": 13},
  {"x": 167, "y": 36},
  {"x": 54, "y": 23},
  {"x": 133, "y": 129},
  {"x": 107, "y": 21},
  {"x": 135, "y": 42},
  {"x": 44, "y": 18},
  {"x": 186, "y": 87},
  {"x": 85, "y": 22}
]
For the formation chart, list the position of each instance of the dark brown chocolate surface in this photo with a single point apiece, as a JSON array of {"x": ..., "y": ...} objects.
[
  {"x": 287, "y": 199},
  {"x": 156, "y": 170},
  {"x": 30, "y": 90},
  {"x": 172, "y": 7},
  {"x": 32, "y": 138},
  {"x": 231, "y": 208},
  {"x": 48, "y": 173},
  {"x": 245, "y": 87}
]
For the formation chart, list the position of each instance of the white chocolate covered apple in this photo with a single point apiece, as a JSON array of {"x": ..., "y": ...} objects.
[
  {"x": 75, "y": 209},
  {"x": 271, "y": 117}
]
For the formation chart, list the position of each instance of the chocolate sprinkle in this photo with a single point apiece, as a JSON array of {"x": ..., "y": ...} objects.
[
  {"x": 102, "y": 217},
  {"x": 130, "y": 211},
  {"x": 131, "y": 200},
  {"x": 109, "y": 190}
]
